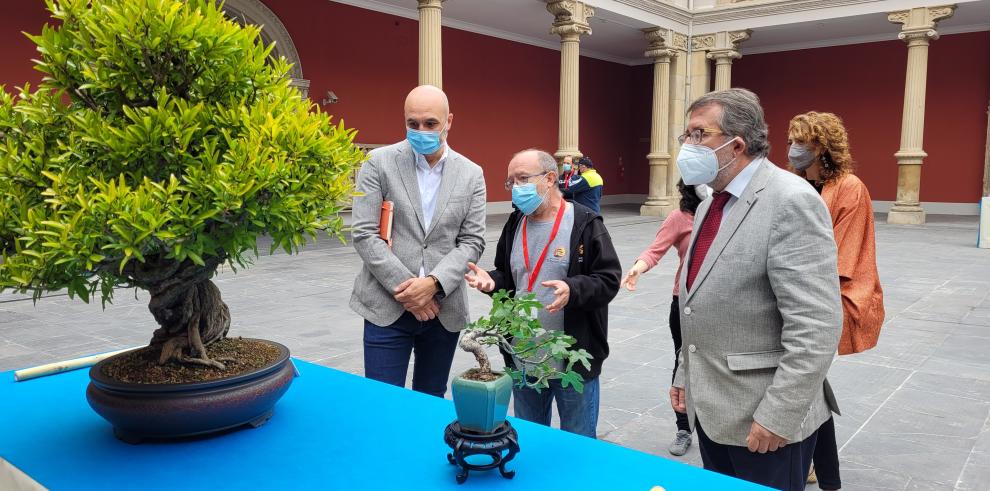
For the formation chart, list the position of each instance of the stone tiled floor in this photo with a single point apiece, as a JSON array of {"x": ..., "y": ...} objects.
[{"x": 915, "y": 409}]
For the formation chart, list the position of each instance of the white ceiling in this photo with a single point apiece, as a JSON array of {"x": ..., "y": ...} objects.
[
  {"x": 969, "y": 17},
  {"x": 617, "y": 37}
]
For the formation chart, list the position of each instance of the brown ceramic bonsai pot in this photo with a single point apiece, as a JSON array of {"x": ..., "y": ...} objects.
[{"x": 140, "y": 412}]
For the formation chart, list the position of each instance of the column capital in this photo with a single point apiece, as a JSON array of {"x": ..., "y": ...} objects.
[
  {"x": 662, "y": 43},
  {"x": 425, "y": 4},
  {"x": 726, "y": 45},
  {"x": 570, "y": 18},
  {"x": 723, "y": 55},
  {"x": 703, "y": 42},
  {"x": 918, "y": 24}
]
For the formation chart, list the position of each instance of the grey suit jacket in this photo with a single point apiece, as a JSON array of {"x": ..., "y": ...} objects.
[
  {"x": 761, "y": 324},
  {"x": 455, "y": 236}
]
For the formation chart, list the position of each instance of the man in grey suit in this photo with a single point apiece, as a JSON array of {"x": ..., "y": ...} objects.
[
  {"x": 410, "y": 293},
  {"x": 760, "y": 308}
]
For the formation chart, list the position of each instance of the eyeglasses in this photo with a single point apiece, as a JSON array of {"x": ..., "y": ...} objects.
[
  {"x": 697, "y": 135},
  {"x": 520, "y": 180}
]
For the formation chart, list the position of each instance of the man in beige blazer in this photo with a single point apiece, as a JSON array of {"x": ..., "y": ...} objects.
[{"x": 760, "y": 308}]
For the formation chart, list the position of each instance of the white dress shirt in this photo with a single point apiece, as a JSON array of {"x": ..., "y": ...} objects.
[
  {"x": 739, "y": 184},
  {"x": 429, "y": 187}
]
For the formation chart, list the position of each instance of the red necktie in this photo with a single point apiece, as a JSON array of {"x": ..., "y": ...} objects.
[{"x": 709, "y": 229}]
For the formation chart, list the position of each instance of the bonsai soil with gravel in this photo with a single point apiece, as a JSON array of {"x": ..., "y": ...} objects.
[{"x": 239, "y": 355}]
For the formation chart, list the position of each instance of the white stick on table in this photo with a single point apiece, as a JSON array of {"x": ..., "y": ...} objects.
[{"x": 64, "y": 366}]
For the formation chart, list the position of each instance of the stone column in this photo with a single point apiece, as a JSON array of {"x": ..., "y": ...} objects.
[
  {"x": 658, "y": 203},
  {"x": 986, "y": 159},
  {"x": 918, "y": 27},
  {"x": 678, "y": 103},
  {"x": 430, "y": 52},
  {"x": 699, "y": 66},
  {"x": 726, "y": 50},
  {"x": 570, "y": 22}
]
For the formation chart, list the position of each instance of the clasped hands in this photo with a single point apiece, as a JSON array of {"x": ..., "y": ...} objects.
[{"x": 418, "y": 296}]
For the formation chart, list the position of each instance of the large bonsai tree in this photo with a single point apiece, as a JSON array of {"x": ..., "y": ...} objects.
[{"x": 162, "y": 142}]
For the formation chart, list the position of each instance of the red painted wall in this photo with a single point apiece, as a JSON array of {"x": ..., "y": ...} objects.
[
  {"x": 956, "y": 118},
  {"x": 504, "y": 95},
  {"x": 864, "y": 85},
  {"x": 16, "y": 50},
  {"x": 636, "y": 167}
]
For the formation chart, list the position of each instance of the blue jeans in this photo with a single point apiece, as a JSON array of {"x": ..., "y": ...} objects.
[
  {"x": 578, "y": 411},
  {"x": 387, "y": 350}
]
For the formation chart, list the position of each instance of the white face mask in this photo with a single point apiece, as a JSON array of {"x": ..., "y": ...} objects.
[
  {"x": 702, "y": 191},
  {"x": 699, "y": 164}
]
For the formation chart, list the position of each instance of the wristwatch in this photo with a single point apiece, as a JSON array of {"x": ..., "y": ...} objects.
[{"x": 436, "y": 281}]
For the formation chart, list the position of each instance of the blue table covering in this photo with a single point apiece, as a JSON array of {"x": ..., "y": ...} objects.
[{"x": 332, "y": 430}]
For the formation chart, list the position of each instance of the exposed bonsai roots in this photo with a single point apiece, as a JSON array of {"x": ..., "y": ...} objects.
[{"x": 191, "y": 315}]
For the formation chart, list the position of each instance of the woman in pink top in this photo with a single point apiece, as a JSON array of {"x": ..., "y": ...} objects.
[{"x": 675, "y": 231}]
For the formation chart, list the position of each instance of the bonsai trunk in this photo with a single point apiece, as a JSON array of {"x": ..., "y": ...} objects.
[
  {"x": 190, "y": 314},
  {"x": 469, "y": 342}
]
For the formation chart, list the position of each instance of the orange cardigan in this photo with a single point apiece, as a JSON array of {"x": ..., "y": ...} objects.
[{"x": 849, "y": 203}]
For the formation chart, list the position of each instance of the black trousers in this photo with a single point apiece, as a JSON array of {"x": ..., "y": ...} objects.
[
  {"x": 827, "y": 457},
  {"x": 785, "y": 469},
  {"x": 675, "y": 334}
]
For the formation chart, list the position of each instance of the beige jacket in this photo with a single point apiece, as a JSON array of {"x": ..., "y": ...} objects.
[{"x": 761, "y": 324}]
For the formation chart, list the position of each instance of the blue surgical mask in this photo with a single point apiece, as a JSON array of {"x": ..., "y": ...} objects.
[
  {"x": 699, "y": 164},
  {"x": 525, "y": 197},
  {"x": 566, "y": 167},
  {"x": 424, "y": 142}
]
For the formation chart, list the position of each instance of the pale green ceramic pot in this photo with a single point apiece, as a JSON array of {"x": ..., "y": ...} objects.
[{"x": 481, "y": 406}]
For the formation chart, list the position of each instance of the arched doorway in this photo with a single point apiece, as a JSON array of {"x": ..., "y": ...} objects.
[{"x": 272, "y": 31}]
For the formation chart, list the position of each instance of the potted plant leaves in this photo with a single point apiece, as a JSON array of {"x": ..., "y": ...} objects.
[
  {"x": 161, "y": 144},
  {"x": 481, "y": 395}
]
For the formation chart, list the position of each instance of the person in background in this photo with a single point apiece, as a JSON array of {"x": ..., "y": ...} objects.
[
  {"x": 586, "y": 188},
  {"x": 675, "y": 231},
  {"x": 562, "y": 253},
  {"x": 567, "y": 172},
  {"x": 818, "y": 150}
]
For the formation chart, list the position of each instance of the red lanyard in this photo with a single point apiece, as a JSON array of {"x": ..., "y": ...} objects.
[{"x": 535, "y": 273}]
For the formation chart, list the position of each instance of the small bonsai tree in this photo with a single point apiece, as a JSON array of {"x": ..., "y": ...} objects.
[
  {"x": 162, "y": 142},
  {"x": 512, "y": 325}
]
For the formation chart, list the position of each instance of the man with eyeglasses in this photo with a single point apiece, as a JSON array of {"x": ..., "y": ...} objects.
[
  {"x": 760, "y": 308},
  {"x": 561, "y": 252},
  {"x": 409, "y": 290}
]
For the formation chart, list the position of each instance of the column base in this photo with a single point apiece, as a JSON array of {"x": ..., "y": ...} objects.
[
  {"x": 906, "y": 216},
  {"x": 656, "y": 210}
]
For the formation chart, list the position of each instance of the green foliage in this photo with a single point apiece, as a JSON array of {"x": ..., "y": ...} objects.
[
  {"x": 162, "y": 134},
  {"x": 512, "y": 324}
]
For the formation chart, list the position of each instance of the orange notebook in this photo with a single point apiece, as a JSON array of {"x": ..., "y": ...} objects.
[{"x": 385, "y": 222}]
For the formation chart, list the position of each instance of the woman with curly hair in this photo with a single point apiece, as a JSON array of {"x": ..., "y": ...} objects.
[
  {"x": 818, "y": 150},
  {"x": 674, "y": 231}
]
